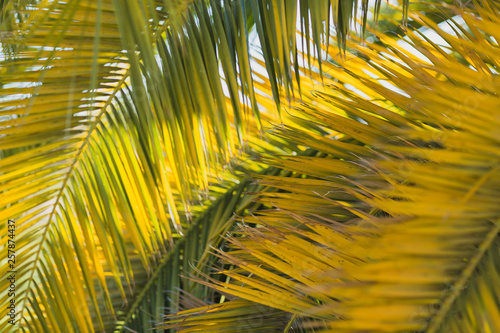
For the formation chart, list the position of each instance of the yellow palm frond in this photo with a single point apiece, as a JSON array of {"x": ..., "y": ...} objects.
[
  {"x": 393, "y": 225},
  {"x": 119, "y": 121}
]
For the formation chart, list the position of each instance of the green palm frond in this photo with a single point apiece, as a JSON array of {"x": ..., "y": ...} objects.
[
  {"x": 393, "y": 226},
  {"x": 191, "y": 256},
  {"x": 116, "y": 132}
]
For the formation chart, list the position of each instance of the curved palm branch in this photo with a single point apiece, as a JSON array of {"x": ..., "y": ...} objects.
[
  {"x": 394, "y": 225},
  {"x": 115, "y": 126}
]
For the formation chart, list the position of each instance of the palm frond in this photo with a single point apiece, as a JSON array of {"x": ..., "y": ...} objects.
[
  {"x": 191, "y": 256},
  {"x": 234, "y": 316},
  {"x": 394, "y": 227},
  {"x": 114, "y": 128}
]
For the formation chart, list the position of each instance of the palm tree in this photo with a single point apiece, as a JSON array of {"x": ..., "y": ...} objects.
[{"x": 371, "y": 206}]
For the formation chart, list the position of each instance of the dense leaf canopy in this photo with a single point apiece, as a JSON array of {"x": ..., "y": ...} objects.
[{"x": 249, "y": 165}]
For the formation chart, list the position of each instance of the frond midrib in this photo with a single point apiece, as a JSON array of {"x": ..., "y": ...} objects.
[
  {"x": 76, "y": 159},
  {"x": 459, "y": 286},
  {"x": 243, "y": 183}
]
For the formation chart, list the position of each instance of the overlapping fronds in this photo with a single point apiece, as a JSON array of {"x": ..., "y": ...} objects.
[
  {"x": 393, "y": 226},
  {"x": 116, "y": 119},
  {"x": 98, "y": 182},
  {"x": 191, "y": 257}
]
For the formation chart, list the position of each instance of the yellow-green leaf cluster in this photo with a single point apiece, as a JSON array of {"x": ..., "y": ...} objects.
[{"x": 393, "y": 226}]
